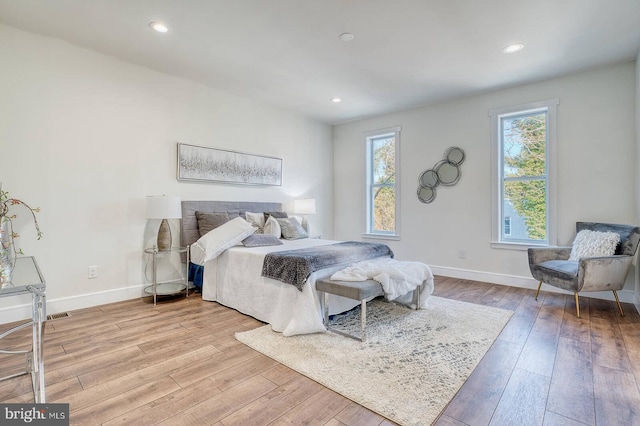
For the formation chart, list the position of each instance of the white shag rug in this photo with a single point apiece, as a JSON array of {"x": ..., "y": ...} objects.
[{"x": 411, "y": 365}]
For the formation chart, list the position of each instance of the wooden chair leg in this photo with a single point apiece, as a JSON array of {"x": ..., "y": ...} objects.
[
  {"x": 577, "y": 305},
  {"x": 615, "y": 293},
  {"x": 538, "y": 291}
]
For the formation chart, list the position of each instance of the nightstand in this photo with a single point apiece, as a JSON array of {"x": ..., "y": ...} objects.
[{"x": 167, "y": 288}]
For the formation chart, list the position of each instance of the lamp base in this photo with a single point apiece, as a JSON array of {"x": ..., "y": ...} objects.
[{"x": 164, "y": 236}]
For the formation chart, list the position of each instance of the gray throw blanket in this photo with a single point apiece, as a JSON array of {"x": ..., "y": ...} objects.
[{"x": 295, "y": 266}]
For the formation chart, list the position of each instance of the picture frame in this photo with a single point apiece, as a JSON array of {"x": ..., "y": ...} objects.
[{"x": 206, "y": 164}]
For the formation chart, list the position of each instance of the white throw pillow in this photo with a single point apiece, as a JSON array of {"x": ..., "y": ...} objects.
[
  {"x": 272, "y": 227},
  {"x": 221, "y": 238},
  {"x": 594, "y": 244}
]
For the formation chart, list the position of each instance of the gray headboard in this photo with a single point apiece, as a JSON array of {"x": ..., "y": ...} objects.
[{"x": 190, "y": 235}]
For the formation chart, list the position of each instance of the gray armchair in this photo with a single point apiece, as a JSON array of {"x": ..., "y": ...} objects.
[{"x": 551, "y": 265}]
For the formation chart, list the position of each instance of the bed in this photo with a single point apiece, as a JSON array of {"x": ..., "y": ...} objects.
[{"x": 234, "y": 278}]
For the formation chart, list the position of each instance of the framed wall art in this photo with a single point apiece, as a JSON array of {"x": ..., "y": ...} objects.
[{"x": 199, "y": 163}]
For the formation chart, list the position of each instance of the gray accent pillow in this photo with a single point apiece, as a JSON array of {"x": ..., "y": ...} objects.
[
  {"x": 261, "y": 240},
  {"x": 277, "y": 215},
  {"x": 292, "y": 229},
  {"x": 210, "y": 221}
]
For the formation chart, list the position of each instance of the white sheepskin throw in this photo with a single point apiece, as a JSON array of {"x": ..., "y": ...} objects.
[{"x": 594, "y": 244}]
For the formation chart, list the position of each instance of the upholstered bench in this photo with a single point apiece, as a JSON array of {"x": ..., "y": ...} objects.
[{"x": 356, "y": 290}]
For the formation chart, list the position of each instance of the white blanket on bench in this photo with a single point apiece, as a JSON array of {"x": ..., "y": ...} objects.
[{"x": 398, "y": 278}]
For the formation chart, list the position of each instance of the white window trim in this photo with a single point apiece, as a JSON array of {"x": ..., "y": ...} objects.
[
  {"x": 367, "y": 231},
  {"x": 494, "y": 114}
]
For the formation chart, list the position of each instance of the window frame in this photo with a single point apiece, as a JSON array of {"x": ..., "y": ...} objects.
[
  {"x": 369, "y": 136},
  {"x": 497, "y": 198}
]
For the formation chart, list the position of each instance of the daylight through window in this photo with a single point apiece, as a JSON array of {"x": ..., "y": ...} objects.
[
  {"x": 523, "y": 174},
  {"x": 382, "y": 182}
]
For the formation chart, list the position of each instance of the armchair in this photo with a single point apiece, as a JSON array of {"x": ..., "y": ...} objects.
[{"x": 606, "y": 273}]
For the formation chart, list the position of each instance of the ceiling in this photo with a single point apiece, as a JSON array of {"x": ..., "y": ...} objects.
[{"x": 288, "y": 53}]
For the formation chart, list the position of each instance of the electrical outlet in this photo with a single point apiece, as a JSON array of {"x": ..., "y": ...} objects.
[{"x": 93, "y": 271}]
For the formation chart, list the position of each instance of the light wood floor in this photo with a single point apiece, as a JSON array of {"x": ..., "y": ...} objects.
[{"x": 178, "y": 363}]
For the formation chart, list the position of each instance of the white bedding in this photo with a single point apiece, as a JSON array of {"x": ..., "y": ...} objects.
[
  {"x": 235, "y": 279},
  {"x": 398, "y": 278}
]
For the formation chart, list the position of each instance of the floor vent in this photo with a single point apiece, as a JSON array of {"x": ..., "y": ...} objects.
[{"x": 58, "y": 316}]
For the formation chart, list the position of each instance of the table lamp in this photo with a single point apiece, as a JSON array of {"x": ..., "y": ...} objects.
[
  {"x": 164, "y": 207},
  {"x": 304, "y": 207}
]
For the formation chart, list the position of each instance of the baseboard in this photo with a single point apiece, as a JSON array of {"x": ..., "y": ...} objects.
[
  {"x": 55, "y": 306},
  {"x": 626, "y": 296}
]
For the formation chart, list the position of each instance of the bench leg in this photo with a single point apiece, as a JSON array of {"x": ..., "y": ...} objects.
[
  {"x": 363, "y": 320},
  {"x": 324, "y": 307}
]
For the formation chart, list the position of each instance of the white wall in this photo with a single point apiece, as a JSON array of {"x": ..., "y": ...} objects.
[
  {"x": 87, "y": 137},
  {"x": 596, "y": 170}
]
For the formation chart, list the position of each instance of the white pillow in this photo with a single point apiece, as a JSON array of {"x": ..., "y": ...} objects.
[
  {"x": 594, "y": 244},
  {"x": 272, "y": 227},
  {"x": 224, "y": 236}
]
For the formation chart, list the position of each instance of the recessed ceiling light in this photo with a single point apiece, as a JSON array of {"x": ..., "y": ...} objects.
[
  {"x": 347, "y": 36},
  {"x": 159, "y": 27},
  {"x": 512, "y": 48},
  {"x": 336, "y": 100}
]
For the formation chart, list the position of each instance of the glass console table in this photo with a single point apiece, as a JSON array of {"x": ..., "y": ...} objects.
[{"x": 27, "y": 279}]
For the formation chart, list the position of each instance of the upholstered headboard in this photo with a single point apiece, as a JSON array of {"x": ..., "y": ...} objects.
[{"x": 190, "y": 235}]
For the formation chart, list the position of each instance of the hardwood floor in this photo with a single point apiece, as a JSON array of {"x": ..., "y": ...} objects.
[{"x": 177, "y": 363}]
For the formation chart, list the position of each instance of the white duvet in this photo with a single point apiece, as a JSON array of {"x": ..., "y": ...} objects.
[{"x": 234, "y": 279}]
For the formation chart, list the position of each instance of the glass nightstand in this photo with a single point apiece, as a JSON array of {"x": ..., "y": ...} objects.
[
  {"x": 27, "y": 279},
  {"x": 167, "y": 288}
]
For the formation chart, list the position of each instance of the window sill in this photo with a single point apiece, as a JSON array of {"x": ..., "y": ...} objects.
[
  {"x": 382, "y": 237},
  {"x": 514, "y": 246}
]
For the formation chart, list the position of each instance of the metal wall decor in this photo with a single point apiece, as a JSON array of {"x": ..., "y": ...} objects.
[
  {"x": 446, "y": 172},
  {"x": 201, "y": 163}
]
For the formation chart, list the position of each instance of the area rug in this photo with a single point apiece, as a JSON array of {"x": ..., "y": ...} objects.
[{"x": 411, "y": 365}]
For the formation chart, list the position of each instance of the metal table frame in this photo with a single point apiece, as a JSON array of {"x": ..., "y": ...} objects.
[
  {"x": 155, "y": 285},
  {"x": 26, "y": 275}
]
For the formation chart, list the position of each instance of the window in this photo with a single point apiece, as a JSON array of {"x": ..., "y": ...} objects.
[
  {"x": 507, "y": 226},
  {"x": 383, "y": 186},
  {"x": 523, "y": 191}
]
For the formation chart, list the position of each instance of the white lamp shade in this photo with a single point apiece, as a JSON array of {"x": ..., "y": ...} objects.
[
  {"x": 305, "y": 206},
  {"x": 163, "y": 207}
]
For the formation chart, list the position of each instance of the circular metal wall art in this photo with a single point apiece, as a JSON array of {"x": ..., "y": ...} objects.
[
  {"x": 429, "y": 179},
  {"x": 454, "y": 155},
  {"x": 425, "y": 194},
  {"x": 446, "y": 173}
]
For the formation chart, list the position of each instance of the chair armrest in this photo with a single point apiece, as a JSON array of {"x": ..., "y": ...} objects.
[
  {"x": 603, "y": 273},
  {"x": 542, "y": 254}
]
